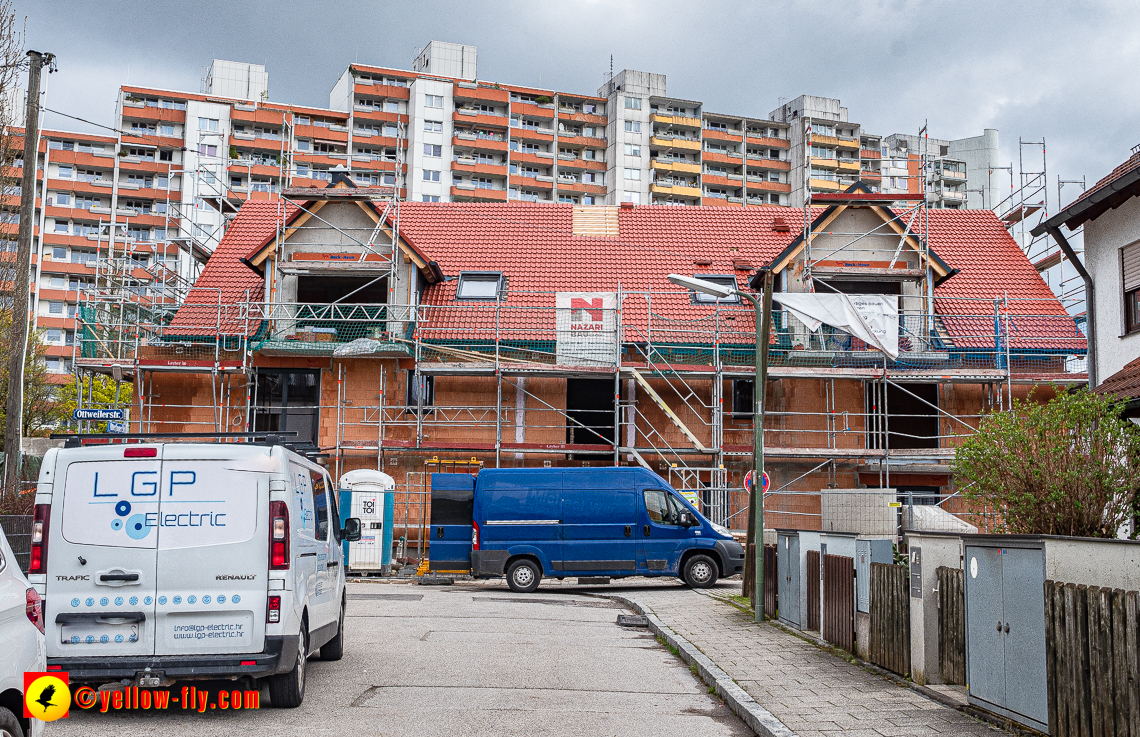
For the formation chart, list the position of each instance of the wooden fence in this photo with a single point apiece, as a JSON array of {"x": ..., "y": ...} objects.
[
  {"x": 812, "y": 581},
  {"x": 839, "y": 601},
  {"x": 952, "y": 626},
  {"x": 1092, "y": 660},
  {"x": 771, "y": 582},
  {"x": 890, "y": 618}
]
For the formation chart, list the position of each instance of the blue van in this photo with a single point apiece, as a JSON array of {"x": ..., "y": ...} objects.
[{"x": 528, "y": 523}]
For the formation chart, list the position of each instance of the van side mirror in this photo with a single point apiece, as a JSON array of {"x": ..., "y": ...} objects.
[
  {"x": 351, "y": 529},
  {"x": 687, "y": 520}
]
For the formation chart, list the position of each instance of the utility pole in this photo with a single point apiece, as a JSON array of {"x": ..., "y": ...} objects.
[{"x": 13, "y": 429}]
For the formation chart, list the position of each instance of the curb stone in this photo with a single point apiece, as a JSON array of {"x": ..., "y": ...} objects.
[{"x": 759, "y": 720}]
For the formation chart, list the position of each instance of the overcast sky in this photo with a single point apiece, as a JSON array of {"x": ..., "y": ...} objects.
[{"x": 1065, "y": 72}]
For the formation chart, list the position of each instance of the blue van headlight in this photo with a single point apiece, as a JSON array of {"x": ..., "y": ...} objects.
[{"x": 720, "y": 530}]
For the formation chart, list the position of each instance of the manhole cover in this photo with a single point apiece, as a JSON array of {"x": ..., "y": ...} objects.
[{"x": 632, "y": 620}]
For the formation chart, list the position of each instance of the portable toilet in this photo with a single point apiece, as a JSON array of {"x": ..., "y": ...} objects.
[{"x": 369, "y": 496}]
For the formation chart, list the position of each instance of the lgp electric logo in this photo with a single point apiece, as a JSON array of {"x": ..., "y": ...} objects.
[
  {"x": 47, "y": 696},
  {"x": 135, "y": 525}
]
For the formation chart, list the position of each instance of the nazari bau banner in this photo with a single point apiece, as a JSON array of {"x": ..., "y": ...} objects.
[{"x": 586, "y": 328}]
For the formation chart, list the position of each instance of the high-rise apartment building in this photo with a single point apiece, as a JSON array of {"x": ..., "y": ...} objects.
[{"x": 958, "y": 173}]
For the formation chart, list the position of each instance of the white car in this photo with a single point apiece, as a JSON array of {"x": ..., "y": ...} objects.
[
  {"x": 177, "y": 561},
  {"x": 21, "y": 644}
]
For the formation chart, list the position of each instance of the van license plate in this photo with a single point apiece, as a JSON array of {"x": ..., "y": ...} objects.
[{"x": 97, "y": 633}]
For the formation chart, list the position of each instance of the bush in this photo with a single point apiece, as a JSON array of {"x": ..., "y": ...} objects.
[{"x": 1070, "y": 466}]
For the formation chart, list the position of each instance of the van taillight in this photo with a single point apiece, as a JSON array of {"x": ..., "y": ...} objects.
[
  {"x": 474, "y": 535},
  {"x": 278, "y": 536},
  {"x": 35, "y": 609},
  {"x": 140, "y": 453},
  {"x": 274, "y": 613},
  {"x": 37, "y": 562}
]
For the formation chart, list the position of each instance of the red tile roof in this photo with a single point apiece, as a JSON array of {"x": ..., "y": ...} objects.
[
  {"x": 1130, "y": 165},
  {"x": 226, "y": 280},
  {"x": 534, "y": 246},
  {"x": 1125, "y": 383}
]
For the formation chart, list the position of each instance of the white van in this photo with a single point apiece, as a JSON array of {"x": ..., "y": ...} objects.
[{"x": 175, "y": 561}]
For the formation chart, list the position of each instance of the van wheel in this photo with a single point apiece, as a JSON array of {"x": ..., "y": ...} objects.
[
  {"x": 287, "y": 690},
  {"x": 700, "y": 572},
  {"x": 523, "y": 576},
  {"x": 9, "y": 724},
  {"x": 334, "y": 648}
]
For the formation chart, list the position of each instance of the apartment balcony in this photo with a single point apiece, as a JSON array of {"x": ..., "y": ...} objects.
[
  {"x": 715, "y": 200},
  {"x": 588, "y": 118},
  {"x": 479, "y": 142},
  {"x": 545, "y": 135},
  {"x": 583, "y": 141},
  {"x": 494, "y": 170},
  {"x": 819, "y": 139},
  {"x": 680, "y": 167},
  {"x": 767, "y": 141},
  {"x": 679, "y": 190},
  {"x": 821, "y": 163},
  {"x": 681, "y": 121},
  {"x": 532, "y": 110},
  {"x": 581, "y": 187},
  {"x": 715, "y": 157},
  {"x": 675, "y": 142},
  {"x": 475, "y": 194},
  {"x": 373, "y": 89},
  {"x": 477, "y": 117},
  {"x": 716, "y": 180},
  {"x": 244, "y": 135},
  {"x": 142, "y": 111},
  {"x": 326, "y": 133},
  {"x": 850, "y": 166},
  {"x": 773, "y": 164},
  {"x": 848, "y": 144},
  {"x": 953, "y": 195},
  {"x": 473, "y": 91},
  {"x": 870, "y": 155},
  {"x": 534, "y": 181},
  {"x": 868, "y": 175},
  {"x": 762, "y": 186},
  {"x": 825, "y": 185},
  {"x": 722, "y": 135},
  {"x": 958, "y": 176}
]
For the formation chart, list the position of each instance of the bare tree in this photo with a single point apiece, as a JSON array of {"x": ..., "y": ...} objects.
[{"x": 12, "y": 64}]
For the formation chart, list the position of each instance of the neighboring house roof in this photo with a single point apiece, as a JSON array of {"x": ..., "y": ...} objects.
[
  {"x": 1125, "y": 383},
  {"x": 1109, "y": 193}
]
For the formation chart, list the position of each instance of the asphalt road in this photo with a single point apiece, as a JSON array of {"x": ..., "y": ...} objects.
[{"x": 468, "y": 660}]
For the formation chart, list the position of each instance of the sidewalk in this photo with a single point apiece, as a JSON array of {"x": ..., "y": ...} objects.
[{"x": 813, "y": 692}]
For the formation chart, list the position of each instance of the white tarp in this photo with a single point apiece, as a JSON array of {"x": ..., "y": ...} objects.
[
  {"x": 872, "y": 317},
  {"x": 587, "y": 328}
]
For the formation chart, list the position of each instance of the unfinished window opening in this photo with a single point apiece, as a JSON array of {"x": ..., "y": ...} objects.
[
  {"x": 287, "y": 399},
  {"x": 861, "y": 286},
  {"x": 590, "y": 413},
  {"x": 743, "y": 398},
  {"x": 421, "y": 393},
  {"x": 479, "y": 285},
  {"x": 351, "y": 290},
  {"x": 910, "y": 419}
]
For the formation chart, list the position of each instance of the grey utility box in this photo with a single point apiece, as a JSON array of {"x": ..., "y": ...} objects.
[
  {"x": 868, "y": 551},
  {"x": 792, "y": 547},
  {"x": 1005, "y": 627},
  {"x": 928, "y": 552}
]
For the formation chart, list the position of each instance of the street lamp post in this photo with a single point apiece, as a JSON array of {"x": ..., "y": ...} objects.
[{"x": 763, "y": 312}]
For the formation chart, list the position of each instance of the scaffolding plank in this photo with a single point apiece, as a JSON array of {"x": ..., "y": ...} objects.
[{"x": 668, "y": 412}]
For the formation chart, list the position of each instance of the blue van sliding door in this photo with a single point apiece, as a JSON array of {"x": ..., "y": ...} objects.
[{"x": 598, "y": 524}]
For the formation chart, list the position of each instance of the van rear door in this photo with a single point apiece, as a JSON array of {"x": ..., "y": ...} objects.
[
  {"x": 213, "y": 550},
  {"x": 452, "y": 500},
  {"x": 102, "y": 553}
]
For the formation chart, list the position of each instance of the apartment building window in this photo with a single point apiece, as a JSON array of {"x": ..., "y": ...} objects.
[
  {"x": 482, "y": 183},
  {"x": 633, "y": 103},
  {"x": 634, "y": 197},
  {"x": 433, "y": 150},
  {"x": 394, "y": 107},
  {"x": 61, "y": 145},
  {"x": 433, "y": 126},
  {"x": 589, "y": 200},
  {"x": 431, "y": 176},
  {"x": 633, "y": 174},
  {"x": 433, "y": 100},
  {"x": 143, "y": 128},
  {"x": 593, "y": 177},
  {"x": 60, "y": 226},
  {"x": 1130, "y": 260},
  {"x": 304, "y": 144},
  {"x": 591, "y": 154},
  {"x": 61, "y": 199},
  {"x": 823, "y": 153},
  {"x": 166, "y": 129},
  {"x": 633, "y": 126},
  {"x": 590, "y": 108},
  {"x": 207, "y": 124},
  {"x": 431, "y": 198},
  {"x": 167, "y": 154},
  {"x": 207, "y": 150},
  {"x": 632, "y": 150},
  {"x": 65, "y": 172},
  {"x": 55, "y": 308}
]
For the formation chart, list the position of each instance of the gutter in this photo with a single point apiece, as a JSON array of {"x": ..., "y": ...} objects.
[{"x": 1090, "y": 297}]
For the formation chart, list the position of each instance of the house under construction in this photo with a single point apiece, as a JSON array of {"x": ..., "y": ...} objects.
[{"x": 407, "y": 336}]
